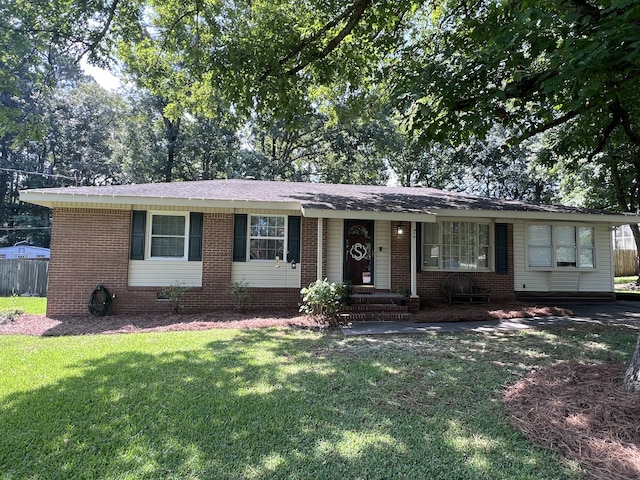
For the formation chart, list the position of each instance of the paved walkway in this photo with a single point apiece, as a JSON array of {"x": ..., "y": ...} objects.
[{"x": 622, "y": 313}]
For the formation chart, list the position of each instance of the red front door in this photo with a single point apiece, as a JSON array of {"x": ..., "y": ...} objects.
[{"x": 358, "y": 257}]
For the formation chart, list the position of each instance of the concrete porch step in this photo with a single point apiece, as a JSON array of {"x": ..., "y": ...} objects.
[
  {"x": 375, "y": 298},
  {"x": 372, "y": 316},
  {"x": 376, "y": 307}
]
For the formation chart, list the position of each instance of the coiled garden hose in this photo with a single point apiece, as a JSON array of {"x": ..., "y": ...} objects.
[{"x": 100, "y": 301}]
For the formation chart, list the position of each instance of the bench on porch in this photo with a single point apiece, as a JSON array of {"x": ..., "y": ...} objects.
[{"x": 463, "y": 288}]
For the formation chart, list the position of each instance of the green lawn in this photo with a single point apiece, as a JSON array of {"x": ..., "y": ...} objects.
[
  {"x": 272, "y": 404},
  {"x": 33, "y": 305},
  {"x": 625, "y": 280}
]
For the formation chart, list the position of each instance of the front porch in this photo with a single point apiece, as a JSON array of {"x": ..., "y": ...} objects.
[{"x": 369, "y": 304}]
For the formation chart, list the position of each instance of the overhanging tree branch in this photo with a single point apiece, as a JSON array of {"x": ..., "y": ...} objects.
[
  {"x": 306, "y": 43},
  {"x": 355, "y": 13},
  {"x": 615, "y": 121},
  {"x": 358, "y": 12},
  {"x": 549, "y": 125},
  {"x": 99, "y": 36}
]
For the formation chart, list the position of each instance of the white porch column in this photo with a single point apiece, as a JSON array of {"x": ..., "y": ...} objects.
[
  {"x": 414, "y": 268},
  {"x": 319, "y": 254}
]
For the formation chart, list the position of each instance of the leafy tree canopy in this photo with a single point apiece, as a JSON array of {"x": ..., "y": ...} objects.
[{"x": 529, "y": 65}]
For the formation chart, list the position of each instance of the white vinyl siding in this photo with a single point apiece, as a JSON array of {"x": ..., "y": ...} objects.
[
  {"x": 381, "y": 255},
  {"x": 164, "y": 273},
  {"x": 267, "y": 265},
  {"x": 598, "y": 279},
  {"x": 335, "y": 249},
  {"x": 265, "y": 274}
]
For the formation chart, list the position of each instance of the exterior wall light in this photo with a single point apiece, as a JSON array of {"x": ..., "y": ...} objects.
[{"x": 400, "y": 229}]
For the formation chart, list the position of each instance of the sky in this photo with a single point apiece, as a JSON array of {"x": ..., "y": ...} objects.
[{"x": 104, "y": 78}]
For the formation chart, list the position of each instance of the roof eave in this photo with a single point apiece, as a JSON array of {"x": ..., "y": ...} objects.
[
  {"x": 369, "y": 215},
  {"x": 612, "y": 218},
  {"x": 62, "y": 199}
]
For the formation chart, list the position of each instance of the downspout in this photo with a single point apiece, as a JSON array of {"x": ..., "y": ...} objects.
[
  {"x": 414, "y": 262},
  {"x": 319, "y": 258}
]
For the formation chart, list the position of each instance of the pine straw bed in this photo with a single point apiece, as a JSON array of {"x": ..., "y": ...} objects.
[
  {"x": 158, "y": 322},
  {"x": 583, "y": 412}
]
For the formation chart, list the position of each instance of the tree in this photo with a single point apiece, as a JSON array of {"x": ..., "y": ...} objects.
[
  {"x": 82, "y": 121},
  {"x": 454, "y": 68},
  {"x": 632, "y": 375},
  {"x": 530, "y": 66}
]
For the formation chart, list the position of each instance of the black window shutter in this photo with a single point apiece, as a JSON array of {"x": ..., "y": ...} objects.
[
  {"x": 138, "y": 233},
  {"x": 195, "y": 236},
  {"x": 502, "y": 254},
  {"x": 240, "y": 237},
  {"x": 293, "y": 242},
  {"x": 419, "y": 246}
]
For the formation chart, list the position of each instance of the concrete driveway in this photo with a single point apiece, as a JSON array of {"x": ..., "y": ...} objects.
[{"x": 621, "y": 313}]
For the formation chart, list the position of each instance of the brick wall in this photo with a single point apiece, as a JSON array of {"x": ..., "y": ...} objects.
[
  {"x": 400, "y": 257},
  {"x": 429, "y": 282},
  {"x": 88, "y": 247},
  {"x": 79, "y": 262},
  {"x": 217, "y": 251},
  {"x": 309, "y": 251},
  {"x": 501, "y": 285}
]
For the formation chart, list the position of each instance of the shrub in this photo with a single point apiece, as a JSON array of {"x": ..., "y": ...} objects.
[
  {"x": 324, "y": 299},
  {"x": 345, "y": 290},
  {"x": 12, "y": 312},
  {"x": 174, "y": 294},
  {"x": 240, "y": 294}
]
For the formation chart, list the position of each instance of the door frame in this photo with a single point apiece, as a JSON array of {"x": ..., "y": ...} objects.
[{"x": 345, "y": 249}]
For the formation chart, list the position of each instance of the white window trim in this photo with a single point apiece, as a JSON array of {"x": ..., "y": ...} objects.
[
  {"x": 492, "y": 245},
  {"x": 285, "y": 248},
  {"x": 147, "y": 253},
  {"x": 554, "y": 264}
]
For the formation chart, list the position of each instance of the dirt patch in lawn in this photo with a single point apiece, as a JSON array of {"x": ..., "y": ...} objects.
[
  {"x": 583, "y": 412},
  {"x": 157, "y": 322},
  {"x": 479, "y": 312}
]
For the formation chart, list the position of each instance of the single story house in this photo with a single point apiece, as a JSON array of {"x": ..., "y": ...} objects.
[
  {"x": 281, "y": 236},
  {"x": 24, "y": 250},
  {"x": 623, "y": 238}
]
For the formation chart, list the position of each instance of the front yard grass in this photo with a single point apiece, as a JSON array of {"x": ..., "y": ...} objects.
[
  {"x": 274, "y": 403},
  {"x": 30, "y": 305}
]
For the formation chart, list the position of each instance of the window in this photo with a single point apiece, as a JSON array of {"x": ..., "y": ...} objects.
[
  {"x": 456, "y": 246},
  {"x": 623, "y": 238},
  {"x": 540, "y": 246},
  {"x": 266, "y": 237},
  {"x": 561, "y": 246},
  {"x": 168, "y": 236}
]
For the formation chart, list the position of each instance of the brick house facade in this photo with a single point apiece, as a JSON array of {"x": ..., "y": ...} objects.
[{"x": 93, "y": 232}]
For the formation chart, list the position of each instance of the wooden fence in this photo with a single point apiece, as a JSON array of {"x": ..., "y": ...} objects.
[
  {"x": 625, "y": 263},
  {"x": 24, "y": 276}
]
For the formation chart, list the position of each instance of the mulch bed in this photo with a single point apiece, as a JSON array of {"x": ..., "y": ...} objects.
[
  {"x": 439, "y": 312},
  {"x": 584, "y": 413},
  {"x": 41, "y": 325}
]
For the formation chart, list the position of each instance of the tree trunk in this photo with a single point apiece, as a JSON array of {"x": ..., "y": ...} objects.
[
  {"x": 632, "y": 377},
  {"x": 635, "y": 229}
]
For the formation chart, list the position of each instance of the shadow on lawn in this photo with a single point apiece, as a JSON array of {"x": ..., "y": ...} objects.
[{"x": 268, "y": 404}]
